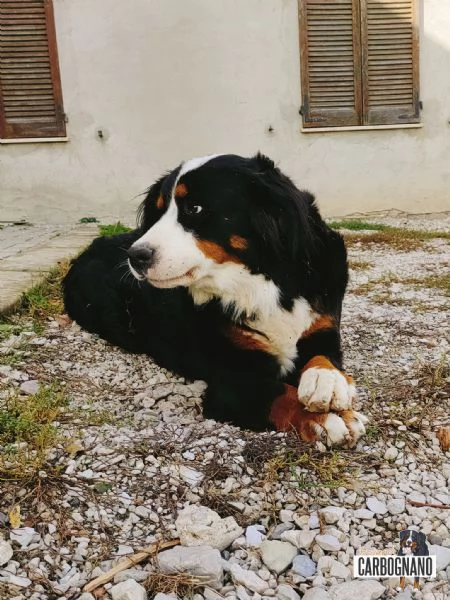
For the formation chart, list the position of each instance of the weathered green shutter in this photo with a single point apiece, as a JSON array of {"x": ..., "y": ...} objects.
[
  {"x": 30, "y": 87},
  {"x": 390, "y": 63},
  {"x": 330, "y": 62}
]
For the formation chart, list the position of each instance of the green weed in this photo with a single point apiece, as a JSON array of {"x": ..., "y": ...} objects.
[{"x": 113, "y": 229}]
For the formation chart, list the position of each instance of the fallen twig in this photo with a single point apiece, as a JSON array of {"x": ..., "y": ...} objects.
[
  {"x": 426, "y": 505},
  {"x": 129, "y": 561}
]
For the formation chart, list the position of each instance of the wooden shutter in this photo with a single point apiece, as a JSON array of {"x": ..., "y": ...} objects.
[
  {"x": 30, "y": 86},
  {"x": 390, "y": 62},
  {"x": 330, "y": 62}
]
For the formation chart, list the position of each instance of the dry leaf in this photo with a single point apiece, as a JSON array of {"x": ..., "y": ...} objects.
[
  {"x": 63, "y": 320},
  {"x": 443, "y": 435},
  {"x": 14, "y": 517},
  {"x": 74, "y": 447}
]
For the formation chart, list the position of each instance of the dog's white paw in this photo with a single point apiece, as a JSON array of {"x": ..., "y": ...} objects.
[
  {"x": 325, "y": 388},
  {"x": 343, "y": 429}
]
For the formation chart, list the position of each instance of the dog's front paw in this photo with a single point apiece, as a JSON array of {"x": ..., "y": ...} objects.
[
  {"x": 336, "y": 429},
  {"x": 323, "y": 388}
]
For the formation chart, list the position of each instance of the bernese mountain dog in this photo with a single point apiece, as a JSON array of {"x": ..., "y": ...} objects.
[
  {"x": 231, "y": 277},
  {"x": 412, "y": 543}
]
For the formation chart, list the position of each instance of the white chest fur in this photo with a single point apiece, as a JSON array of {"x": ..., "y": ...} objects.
[
  {"x": 257, "y": 300},
  {"x": 283, "y": 329}
]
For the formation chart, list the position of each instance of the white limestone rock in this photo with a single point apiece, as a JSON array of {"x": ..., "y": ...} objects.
[
  {"x": 249, "y": 579},
  {"x": 200, "y": 561},
  {"x": 6, "y": 552},
  {"x": 201, "y": 526},
  {"x": 276, "y": 555},
  {"x": 128, "y": 590},
  {"x": 367, "y": 589},
  {"x": 332, "y": 514}
]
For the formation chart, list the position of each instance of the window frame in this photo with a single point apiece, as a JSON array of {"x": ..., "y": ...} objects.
[
  {"x": 338, "y": 122},
  {"x": 54, "y": 129}
]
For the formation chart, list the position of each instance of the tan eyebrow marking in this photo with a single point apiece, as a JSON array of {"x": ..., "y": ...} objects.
[
  {"x": 238, "y": 242},
  {"x": 181, "y": 190}
]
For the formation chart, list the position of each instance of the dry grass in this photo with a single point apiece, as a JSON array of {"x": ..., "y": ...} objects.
[
  {"x": 27, "y": 431},
  {"x": 259, "y": 449},
  {"x": 45, "y": 299},
  {"x": 418, "y": 406},
  {"x": 401, "y": 240},
  {"x": 312, "y": 469},
  {"x": 38, "y": 304},
  {"x": 302, "y": 463},
  {"x": 182, "y": 585},
  {"x": 215, "y": 499},
  {"x": 439, "y": 282},
  {"x": 359, "y": 265}
]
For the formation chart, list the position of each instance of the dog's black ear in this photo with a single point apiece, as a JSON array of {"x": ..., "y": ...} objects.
[
  {"x": 283, "y": 214},
  {"x": 264, "y": 162},
  {"x": 422, "y": 537},
  {"x": 404, "y": 534},
  {"x": 149, "y": 211}
]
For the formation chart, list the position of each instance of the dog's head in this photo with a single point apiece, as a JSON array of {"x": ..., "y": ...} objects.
[
  {"x": 412, "y": 543},
  {"x": 220, "y": 219}
]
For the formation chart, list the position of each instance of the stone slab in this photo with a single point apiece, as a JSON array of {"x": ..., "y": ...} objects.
[
  {"x": 12, "y": 285},
  {"x": 28, "y": 264},
  {"x": 38, "y": 260}
]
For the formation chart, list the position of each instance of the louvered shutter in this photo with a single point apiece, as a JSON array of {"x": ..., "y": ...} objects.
[
  {"x": 30, "y": 87},
  {"x": 390, "y": 62},
  {"x": 330, "y": 62}
]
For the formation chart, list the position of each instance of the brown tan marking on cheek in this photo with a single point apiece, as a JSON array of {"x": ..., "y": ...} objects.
[
  {"x": 246, "y": 340},
  {"x": 319, "y": 362},
  {"x": 216, "y": 252},
  {"x": 322, "y": 322},
  {"x": 160, "y": 202},
  {"x": 181, "y": 190},
  {"x": 238, "y": 242},
  {"x": 287, "y": 414}
]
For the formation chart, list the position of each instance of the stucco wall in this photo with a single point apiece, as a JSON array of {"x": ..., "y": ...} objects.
[{"x": 168, "y": 79}]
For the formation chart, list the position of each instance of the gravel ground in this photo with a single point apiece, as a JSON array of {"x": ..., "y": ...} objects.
[{"x": 134, "y": 451}]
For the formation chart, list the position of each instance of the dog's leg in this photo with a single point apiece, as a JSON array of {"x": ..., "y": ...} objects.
[
  {"x": 402, "y": 582},
  {"x": 323, "y": 386}
]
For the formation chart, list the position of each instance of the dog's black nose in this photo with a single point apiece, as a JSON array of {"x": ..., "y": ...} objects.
[{"x": 141, "y": 258}]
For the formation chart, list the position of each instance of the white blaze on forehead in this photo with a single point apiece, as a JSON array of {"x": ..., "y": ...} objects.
[{"x": 195, "y": 163}]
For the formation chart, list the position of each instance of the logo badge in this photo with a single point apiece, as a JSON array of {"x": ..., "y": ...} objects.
[{"x": 412, "y": 561}]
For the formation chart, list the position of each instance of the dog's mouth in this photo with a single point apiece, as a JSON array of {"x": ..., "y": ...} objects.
[{"x": 170, "y": 282}]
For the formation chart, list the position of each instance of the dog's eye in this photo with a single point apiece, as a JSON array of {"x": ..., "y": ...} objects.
[{"x": 192, "y": 209}]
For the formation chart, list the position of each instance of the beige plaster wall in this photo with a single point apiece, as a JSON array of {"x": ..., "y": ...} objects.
[{"x": 166, "y": 80}]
